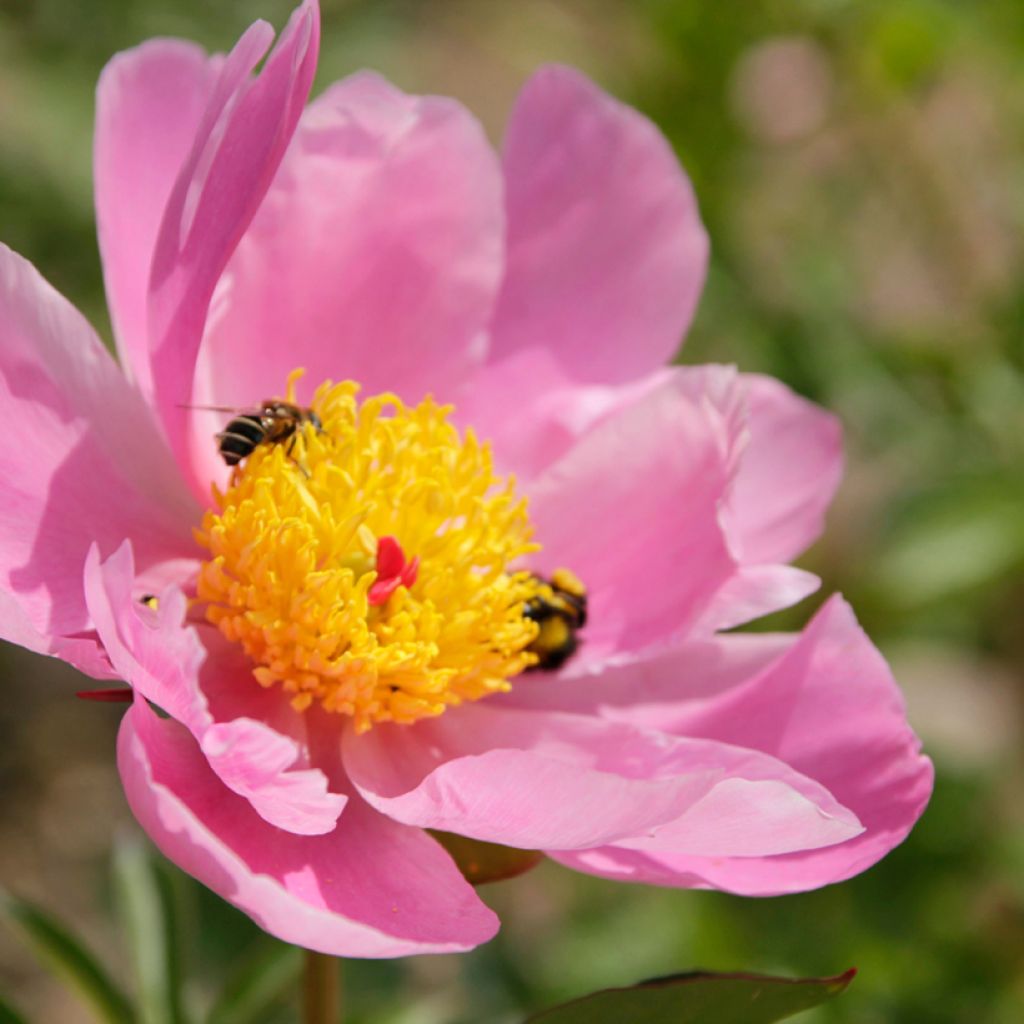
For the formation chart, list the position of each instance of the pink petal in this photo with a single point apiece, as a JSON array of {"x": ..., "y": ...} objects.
[
  {"x": 753, "y": 591},
  {"x": 647, "y": 536},
  {"x": 84, "y": 651},
  {"x": 556, "y": 781},
  {"x": 375, "y": 256},
  {"x": 149, "y": 104},
  {"x": 633, "y": 509},
  {"x": 829, "y": 708},
  {"x": 166, "y": 661},
  {"x": 532, "y": 413},
  {"x": 241, "y": 139},
  {"x": 258, "y": 763},
  {"x": 751, "y": 818},
  {"x": 606, "y": 252},
  {"x": 370, "y": 888},
  {"x": 82, "y": 462},
  {"x": 788, "y": 474},
  {"x": 655, "y": 688}
]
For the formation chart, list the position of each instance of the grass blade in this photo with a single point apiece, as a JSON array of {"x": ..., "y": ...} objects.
[
  {"x": 55, "y": 945},
  {"x": 147, "y": 917}
]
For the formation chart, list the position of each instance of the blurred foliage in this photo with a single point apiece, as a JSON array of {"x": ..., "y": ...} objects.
[{"x": 860, "y": 166}]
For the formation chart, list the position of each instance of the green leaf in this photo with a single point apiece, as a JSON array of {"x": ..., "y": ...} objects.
[
  {"x": 699, "y": 998},
  {"x": 147, "y": 916},
  {"x": 8, "y": 1015},
  {"x": 262, "y": 981},
  {"x": 66, "y": 954}
]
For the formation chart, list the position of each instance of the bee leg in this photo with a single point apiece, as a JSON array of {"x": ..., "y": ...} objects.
[{"x": 289, "y": 452}]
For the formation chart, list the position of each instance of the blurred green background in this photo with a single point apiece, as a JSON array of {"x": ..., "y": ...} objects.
[{"x": 860, "y": 166}]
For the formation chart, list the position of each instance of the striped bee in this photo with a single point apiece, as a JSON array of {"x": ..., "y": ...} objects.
[
  {"x": 560, "y": 610},
  {"x": 274, "y": 422}
]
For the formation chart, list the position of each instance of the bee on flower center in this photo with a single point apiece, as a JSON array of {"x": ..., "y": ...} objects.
[
  {"x": 560, "y": 611},
  {"x": 274, "y": 422}
]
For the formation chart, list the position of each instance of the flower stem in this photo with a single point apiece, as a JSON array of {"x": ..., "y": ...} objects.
[{"x": 321, "y": 989}]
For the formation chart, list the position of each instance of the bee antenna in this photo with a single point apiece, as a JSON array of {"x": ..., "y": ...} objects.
[{"x": 207, "y": 408}]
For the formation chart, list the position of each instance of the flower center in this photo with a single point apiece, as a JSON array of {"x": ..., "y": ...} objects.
[{"x": 362, "y": 558}]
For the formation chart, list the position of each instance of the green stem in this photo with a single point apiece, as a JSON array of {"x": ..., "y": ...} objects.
[{"x": 321, "y": 989}]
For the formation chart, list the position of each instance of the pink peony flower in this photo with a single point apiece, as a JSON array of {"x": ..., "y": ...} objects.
[{"x": 355, "y": 637}]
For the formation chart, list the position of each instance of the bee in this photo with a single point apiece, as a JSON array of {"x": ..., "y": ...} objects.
[
  {"x": 274, "y": 422},
  {"x": 560, "y": 610}
]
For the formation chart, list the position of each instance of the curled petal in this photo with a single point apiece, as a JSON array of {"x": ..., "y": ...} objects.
[
  {"x": 244, "y": 131},
  {"x": 369, "y": 888},
  {"x": 828, "y": 706},
  {"x": 557, "y": 781},
  {"x": 166, "y": 662},
  {"x": 260, "y": 764},
  {"x": 752, "y": 591}
]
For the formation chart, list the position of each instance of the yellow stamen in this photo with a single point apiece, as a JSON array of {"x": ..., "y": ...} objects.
[{"x": 293, "y": 546}]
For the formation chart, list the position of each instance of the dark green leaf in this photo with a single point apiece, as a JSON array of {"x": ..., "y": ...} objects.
[
  {"x": 67, "y": 955},
  {"x": 147, "y": 916},
  {"x": 699, "y": 999},
  {"x": 258, "y": 985}
]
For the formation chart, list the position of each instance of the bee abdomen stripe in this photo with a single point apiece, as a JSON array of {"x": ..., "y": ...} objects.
[{"x": 248, "y": 427}]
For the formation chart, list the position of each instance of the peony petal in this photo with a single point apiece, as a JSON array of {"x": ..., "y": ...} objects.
[
  {"x": 149, "y": 105},
  {"x": 85, "y": 651},
  {"x": 370, "y": 888},
  {"x": 664, "y": 565},
  {"x": 633, "y": 509},
  {"x": 556, "y": 781},
  {"x": 830, "y": 708},
  {"x": 532, "y": 413},
  {"x": 375, "y": 256},
  {"x": 82, "y": 462},
  {"x": 655, "y": 688},
  {"x": 166, "y": 662},
  {"x": 244, "y": 132},
  {"x": 753, "y": 591},
  {"x": 751, "y": 818},
  {"x": 259, "y": 764},
  {"x": 788, "y": 475},
  {"x": 606, "y": 252}
]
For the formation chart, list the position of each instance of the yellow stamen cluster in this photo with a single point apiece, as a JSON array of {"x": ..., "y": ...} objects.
[{"x": 293, "y": 547}]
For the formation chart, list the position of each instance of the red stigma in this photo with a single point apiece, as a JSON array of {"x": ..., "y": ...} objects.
[{"x": 393, "y": 571}]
